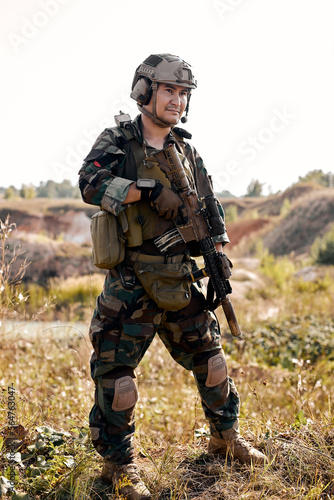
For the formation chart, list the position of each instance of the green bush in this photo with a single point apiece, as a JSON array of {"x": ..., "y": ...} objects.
[
  {"x": 285, "y": 343},
  {"x": 322, "y": 250},
  {"x": 280, "y": 271},
  {"x": 286, "y": 207},
  {"x": 231, "y": 213}
]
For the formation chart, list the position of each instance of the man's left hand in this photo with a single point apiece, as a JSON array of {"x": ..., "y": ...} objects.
[{"x": 165, "y": 202}]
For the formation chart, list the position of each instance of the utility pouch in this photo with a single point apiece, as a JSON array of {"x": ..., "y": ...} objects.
[
  {"x": 108, "y": 239},
  {"x": 166, "y": 283}
]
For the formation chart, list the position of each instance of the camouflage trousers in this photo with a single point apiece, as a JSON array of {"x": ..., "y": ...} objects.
[{"x": 122, "y": 328}]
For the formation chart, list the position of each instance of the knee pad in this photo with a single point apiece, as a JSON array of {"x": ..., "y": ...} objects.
[
  {"x": 126, "y": 394},
  {"x": 217, "y": 370}
]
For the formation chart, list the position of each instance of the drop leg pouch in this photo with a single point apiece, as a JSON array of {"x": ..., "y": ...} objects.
[{"x": 165, "y": 283}]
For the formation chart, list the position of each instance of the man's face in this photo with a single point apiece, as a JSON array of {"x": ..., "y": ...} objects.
[{"x": 171, "y": 102}]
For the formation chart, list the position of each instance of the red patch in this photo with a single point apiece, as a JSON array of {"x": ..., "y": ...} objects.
[{"x": 96, "y": 163}]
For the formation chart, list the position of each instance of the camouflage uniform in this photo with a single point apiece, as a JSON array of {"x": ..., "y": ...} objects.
[{"x": 125, "y": 320}]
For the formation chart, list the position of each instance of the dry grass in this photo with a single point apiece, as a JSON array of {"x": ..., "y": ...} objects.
[{"x": 286, "y": 413}]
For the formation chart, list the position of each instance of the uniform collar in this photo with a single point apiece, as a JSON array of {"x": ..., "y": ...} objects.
[{"x": 138, "y": 132}]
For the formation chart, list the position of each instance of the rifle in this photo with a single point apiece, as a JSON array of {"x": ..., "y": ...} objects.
[{"x": 196, "y": 222}]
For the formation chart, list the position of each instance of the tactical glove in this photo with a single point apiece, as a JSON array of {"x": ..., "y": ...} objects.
[
  {"x": 227, "y": 265},
  {"x": 165, "y": 201}
]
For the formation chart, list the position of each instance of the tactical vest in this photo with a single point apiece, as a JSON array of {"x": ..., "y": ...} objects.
[{"x": 143, "y": 222}]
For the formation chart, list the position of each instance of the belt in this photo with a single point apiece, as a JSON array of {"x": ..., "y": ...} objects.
[{"x": 133, "y": 257}]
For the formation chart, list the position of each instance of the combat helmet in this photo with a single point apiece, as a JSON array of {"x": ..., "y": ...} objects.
[{"x": 160, "y": 68}]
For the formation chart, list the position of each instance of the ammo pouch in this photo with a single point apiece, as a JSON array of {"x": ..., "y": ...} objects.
[
  {"x": 165, "y": 283},
  {"x": 108, "y": 240}
]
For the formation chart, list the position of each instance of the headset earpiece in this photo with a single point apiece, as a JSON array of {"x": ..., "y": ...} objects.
[
  {"x": 184, "y": 118},
  {"x": 142, "y": 91}
]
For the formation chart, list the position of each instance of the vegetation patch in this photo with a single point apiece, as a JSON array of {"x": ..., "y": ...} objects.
[{"x": 322, "y": 249}]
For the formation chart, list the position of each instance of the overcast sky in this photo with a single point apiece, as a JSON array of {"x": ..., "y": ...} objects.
[{"x": 263, "y": 109}]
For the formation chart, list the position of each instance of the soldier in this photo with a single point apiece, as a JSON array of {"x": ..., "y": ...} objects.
[{"x": 117, "y": 176}]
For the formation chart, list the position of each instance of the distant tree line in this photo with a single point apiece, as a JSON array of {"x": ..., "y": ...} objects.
[
  {"x": 254, "y": 188},
  {"x": 48, "y": 189},
  {"x": 319, "y": 177},
  {"x": 65, "y": 189}
]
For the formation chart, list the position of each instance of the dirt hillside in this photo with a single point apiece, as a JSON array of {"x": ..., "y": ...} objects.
[
  {"x": 284, "y": 226},
  {"x": 311, "y": 216},
  {"x": 66, "y": 220}
]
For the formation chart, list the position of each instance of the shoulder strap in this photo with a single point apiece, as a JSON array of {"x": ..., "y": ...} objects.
[
  {"x": 180, "y": 143},
  {"x": 134, "y": 154}
]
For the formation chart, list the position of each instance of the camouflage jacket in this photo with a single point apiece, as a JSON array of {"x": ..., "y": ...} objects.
[{"x": 106, "y": 174}]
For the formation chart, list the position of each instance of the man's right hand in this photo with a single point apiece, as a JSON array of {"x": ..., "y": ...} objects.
[{"x": 165, "y": 201}]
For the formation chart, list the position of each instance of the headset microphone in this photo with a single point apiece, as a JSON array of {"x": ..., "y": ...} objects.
[{"x": 184, "y": 119}]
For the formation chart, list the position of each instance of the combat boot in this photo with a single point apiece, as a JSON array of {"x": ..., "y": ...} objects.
[
  {"x": 236, "y": 447},
  {"x": 126, "y": 480}
]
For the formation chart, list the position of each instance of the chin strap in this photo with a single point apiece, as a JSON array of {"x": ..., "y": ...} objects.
[{"x": 153, "y": 115}]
